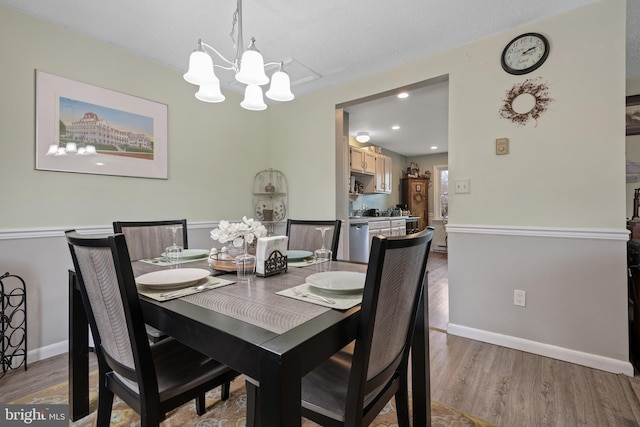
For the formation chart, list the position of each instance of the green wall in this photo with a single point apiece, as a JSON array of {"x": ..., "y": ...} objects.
[{"x": 214, "y": 150}]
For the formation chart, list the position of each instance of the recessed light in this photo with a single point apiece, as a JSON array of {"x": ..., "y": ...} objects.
[
  {"x": 395, "y": 127},
  {"x": 403, "y": 95},
  {"x": 100, "y": 164},
  {"x": 434, "y": 147}
]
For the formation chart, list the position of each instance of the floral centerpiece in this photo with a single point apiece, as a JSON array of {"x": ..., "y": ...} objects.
[{"x": 238, "y": 233}]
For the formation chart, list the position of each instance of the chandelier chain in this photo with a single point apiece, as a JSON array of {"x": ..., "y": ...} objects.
[{"x": 234, "y": 21}]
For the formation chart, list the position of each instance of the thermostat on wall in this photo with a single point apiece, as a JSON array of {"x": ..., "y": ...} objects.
[{"x": 502, "y": 146}]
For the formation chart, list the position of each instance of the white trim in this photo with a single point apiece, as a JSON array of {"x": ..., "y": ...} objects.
[
  {"x": 38, "y": 233},
  {"x": 573, "y": 356},
  {"x": 557, "y": 232},
  {"x": 47, "y": 351}
]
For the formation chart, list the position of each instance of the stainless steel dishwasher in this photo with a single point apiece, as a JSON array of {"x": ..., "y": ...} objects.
[{"x": 359, "y": 241}]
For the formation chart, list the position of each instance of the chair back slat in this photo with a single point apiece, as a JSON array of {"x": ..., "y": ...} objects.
[
  {"x": 303, "y": 235},
  {"x": 149, "y": 239},
  {"x": 393, "y": 286},
  {"x": 109, "y": 293},
  {"x": 101, "y": 287},
  {"x": 399, "y": 286}
]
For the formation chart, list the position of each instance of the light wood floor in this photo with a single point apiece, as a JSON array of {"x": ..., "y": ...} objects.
[{"x": 507, "y": 387}]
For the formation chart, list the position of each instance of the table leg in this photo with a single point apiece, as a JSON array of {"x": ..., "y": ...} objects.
[
  {"x": 78, "y": 353},
  {"x": 280, "y": 394},
  {"x": 420, "y": 380}
]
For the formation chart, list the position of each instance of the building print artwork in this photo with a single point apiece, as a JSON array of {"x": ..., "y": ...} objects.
[
  {"x": 110, "y": 131},
  {"x": 86, "y": 129}
]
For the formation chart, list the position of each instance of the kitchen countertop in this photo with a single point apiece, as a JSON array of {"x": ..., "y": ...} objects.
[{"x": 361, "y": 219}]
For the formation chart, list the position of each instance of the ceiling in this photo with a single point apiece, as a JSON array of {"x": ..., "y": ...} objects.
[{"x": 323, "y": 43}]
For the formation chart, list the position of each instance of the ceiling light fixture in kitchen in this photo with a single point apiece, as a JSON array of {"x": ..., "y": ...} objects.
[
  {"x": 363, "y": 137},
  {"x": 395, "y": 127},
  {"x": 403, "y": 95},
  {"x": 249, "y": 67}
]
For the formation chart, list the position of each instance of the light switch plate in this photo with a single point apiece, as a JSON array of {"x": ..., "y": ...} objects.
[
  {"x": 462, "y": 186},
  {"x": 502, "y": 146}
]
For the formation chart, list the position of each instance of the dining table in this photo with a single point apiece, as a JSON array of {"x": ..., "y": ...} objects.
[{"x": 271, "y": 338}]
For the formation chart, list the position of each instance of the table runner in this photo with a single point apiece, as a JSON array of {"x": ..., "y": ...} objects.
[{"x": 258, "y": 304}]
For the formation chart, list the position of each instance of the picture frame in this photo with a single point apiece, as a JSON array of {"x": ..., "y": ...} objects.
[
  {"x": 81, "y": 128},
  {"x": 632, "y": 115}
]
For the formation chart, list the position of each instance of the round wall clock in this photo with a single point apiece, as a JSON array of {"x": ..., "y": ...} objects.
[{"x": 525, "y": 53}]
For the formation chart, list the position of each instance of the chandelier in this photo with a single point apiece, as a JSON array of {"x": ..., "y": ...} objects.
[{"x": 249, "y": 67}]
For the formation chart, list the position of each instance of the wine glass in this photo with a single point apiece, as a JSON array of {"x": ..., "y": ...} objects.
[
  {"x": 174, "y": 252},
  {"x": 323, "y": 255},
  {"x": 246, "y": 264}
]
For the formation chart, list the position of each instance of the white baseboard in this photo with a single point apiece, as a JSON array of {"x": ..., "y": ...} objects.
[
  {"x": 580, "y": 358},
  {"x": 47, "y": 351}
]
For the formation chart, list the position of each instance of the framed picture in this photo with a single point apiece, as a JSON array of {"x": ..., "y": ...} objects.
[
  {"x": 87, "y": 129},
  {"x": 632, "y": 115}
]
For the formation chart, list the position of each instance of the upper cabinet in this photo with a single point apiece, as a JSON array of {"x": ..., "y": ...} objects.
[
  {"x": 383, "y": 174},
  {"x": 376, "y": 166},
  {"x": 363, "y": 161}
]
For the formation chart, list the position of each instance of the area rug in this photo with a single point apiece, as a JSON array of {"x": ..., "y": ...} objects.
[{"x": 229, "y": 413}]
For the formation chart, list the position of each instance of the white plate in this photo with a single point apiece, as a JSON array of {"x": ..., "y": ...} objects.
[
  {"x": 260, "y": 207},
  {"x": 296, "y": 255},
  {"x": 193, "y": 253},
  {"x": 337, "y": 281},
  {"x": 172, "y": 278},
  {"x": 279, "y": 211}
]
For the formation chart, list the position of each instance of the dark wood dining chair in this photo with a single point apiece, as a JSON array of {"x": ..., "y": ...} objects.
[
  {"x": 152, "y": 380},
  {"x": 303, "y": 235},
  {"x": 147, "y": 240},
  {"x": 353, "y": 386}
]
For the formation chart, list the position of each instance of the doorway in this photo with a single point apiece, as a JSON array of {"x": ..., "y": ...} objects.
[{"x": 420, "y": 138}]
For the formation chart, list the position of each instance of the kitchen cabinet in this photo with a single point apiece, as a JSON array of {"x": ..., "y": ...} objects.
[
  {"x": 398, "y": 227},
  {"x": 415, "y": 194},
  {"x": 362, "y": 161},
  {"x": 383, "y": 175},
  {"x": 376, "y": 227}
]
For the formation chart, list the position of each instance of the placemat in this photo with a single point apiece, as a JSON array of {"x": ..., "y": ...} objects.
[
  {"x": 342, "y": 301},
  {"x": 168, "y": 294}
]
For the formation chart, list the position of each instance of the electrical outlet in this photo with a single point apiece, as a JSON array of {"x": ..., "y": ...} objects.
[{"x": 519, "y": 297}]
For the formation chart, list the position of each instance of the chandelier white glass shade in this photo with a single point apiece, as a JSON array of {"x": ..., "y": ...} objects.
[
  {"x": 363, "y": 137},
  {"x": 249, "y": 68}
]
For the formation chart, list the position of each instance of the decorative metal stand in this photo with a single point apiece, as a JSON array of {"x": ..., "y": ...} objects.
[
  {"x": 276, "y": 263},
  {"x": 13, "y": 323},
  {"x": 270, "y": 200}
]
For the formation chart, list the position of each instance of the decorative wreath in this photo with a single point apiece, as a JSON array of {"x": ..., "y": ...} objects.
[{"x": 540, "y": 91}]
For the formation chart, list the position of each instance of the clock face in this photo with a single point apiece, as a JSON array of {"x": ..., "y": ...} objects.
[{"x": 525, "y": 53}]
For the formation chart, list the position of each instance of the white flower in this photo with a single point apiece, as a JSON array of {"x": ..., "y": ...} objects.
[{"x": 238, "y": 232}]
